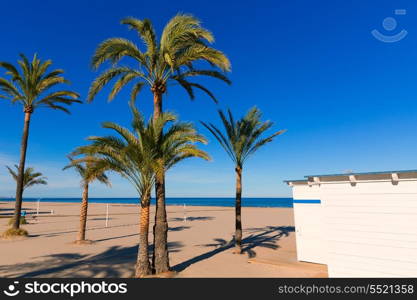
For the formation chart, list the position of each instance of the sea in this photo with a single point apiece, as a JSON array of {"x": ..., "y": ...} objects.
[{"x": 224, "y": 202}]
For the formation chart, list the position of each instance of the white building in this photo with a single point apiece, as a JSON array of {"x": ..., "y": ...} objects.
[{"x": 359, "y": 224}]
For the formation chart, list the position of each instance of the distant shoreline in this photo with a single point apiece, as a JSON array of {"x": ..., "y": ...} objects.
[{"x": 190, "y": 201}]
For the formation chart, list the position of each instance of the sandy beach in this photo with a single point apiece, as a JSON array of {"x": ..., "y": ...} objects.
[{"x": 199, "y": 245}]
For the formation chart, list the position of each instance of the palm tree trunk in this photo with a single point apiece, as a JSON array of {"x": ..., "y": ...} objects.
[
  {"x": 157, "y": 105},
  {"x": 160, "y": 258},
  {"x": 83, "y": 214},
  {"x": 19, "y": 183},
  {"x": 238, "y": 213},
  {"x": 143, "y": 266}
]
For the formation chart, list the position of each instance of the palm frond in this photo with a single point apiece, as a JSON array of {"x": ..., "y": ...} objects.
[
  {"x": 114, "y": 50},
  {"x": 108, "y": 75},
  {"x": 183, "y": 28},
  {"x": 147, "y": 33},
  {"x": 136, "y": 90},
  {"x": 210, "y": 73}
]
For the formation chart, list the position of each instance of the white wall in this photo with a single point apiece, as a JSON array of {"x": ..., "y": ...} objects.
[
  {"x": 303, "y": 191},
  {"x": 370, "y": 228},
  {"x": 308, "y": 225}
]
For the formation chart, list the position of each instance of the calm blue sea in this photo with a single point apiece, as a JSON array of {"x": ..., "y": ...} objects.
[{"x": 227, "y": 202}]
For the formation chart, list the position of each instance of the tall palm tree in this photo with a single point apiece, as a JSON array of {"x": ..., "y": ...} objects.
[
  {"x": 30, "y": 177},
  {"x": 142, "y": 155},
  {"x": 89, "y": 171},
  {"x": 32, "y": 87},
  {"x": 241, "y": 139},
  {"x": 170, "y": 59}
]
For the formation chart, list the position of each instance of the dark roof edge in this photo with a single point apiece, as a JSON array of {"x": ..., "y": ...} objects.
[
  {"x": 363, "y": 173},
  {"x": 296, "y": 180}
]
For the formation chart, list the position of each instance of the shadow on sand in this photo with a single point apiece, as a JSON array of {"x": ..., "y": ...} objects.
[
  {"x": 10, "y": 211},
  {"x": 114, "y": 262},
  {"x": 119, "y": 261},
  {"x": 259, "y": 237},
  {"x": 178, "y": 228},
  {"x": 191, "y": 219}
]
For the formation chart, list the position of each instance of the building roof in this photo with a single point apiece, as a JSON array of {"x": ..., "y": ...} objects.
[
  {"x": 353, "y": 176},
  {"x": 295, "y": 180},
  {"x": 363, "y": 173}
]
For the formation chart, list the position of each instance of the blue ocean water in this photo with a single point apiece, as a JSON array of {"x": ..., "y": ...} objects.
[{"x": 225, "y": 202}]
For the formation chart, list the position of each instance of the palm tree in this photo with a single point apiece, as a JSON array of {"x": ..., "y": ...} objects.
[
  {"x": 129, "y": 155},
  {"x": 30, "y": 178},
  {"x": 241, "y": 139},
  {"x": 89, "y": 171},
  {"x": 170, "y": 59},
  {"x": 30, "y": 87},
  {"x": 141, "y": 156}
]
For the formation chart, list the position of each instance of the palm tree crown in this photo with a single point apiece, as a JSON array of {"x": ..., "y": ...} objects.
[
  {"x": 89, "y": 169},
  {"x": 243, "y": 137},
  {"x": 171, "y": 58},
  {"x": 126, "y": 154},
  {"x": 29, "y": 86},
  {"x": 147, "y": 150},
  {"x": 30, "y": 178}
]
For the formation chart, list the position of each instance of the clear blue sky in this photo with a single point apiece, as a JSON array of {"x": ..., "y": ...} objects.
[{"x": 348, "y": 100}]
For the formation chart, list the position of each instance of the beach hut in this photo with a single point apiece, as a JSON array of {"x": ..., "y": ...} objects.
[{"x": 359, "y": 224}]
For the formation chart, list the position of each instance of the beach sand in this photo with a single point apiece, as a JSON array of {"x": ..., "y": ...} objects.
[{"x": 199, "y": 246}]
